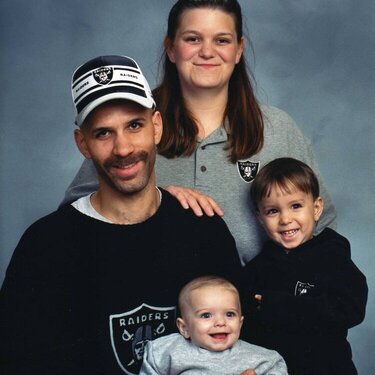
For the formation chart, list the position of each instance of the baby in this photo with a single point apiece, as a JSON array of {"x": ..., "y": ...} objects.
[{"x": 209, "y": 324}]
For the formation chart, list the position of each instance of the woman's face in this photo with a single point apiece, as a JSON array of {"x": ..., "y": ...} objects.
[{"x": 205, "y": 49}]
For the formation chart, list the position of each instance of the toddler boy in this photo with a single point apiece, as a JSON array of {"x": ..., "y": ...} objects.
[{"x": 306, "y": 290}]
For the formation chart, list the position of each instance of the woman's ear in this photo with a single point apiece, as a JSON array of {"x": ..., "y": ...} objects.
[
  {"x": 241, "y": 47},
  {"x": 168, "y": 46},
  {"x": 81, "y": 143},
  {"x": 182, "y": 327},
  {"x": 318, "y": 208}
]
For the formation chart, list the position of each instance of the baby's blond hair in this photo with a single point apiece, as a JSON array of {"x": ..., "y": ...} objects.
[{"x": 202, "y": 282}]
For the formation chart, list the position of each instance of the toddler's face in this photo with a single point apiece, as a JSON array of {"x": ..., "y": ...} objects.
[
  {"x": 212, "y": 318},
  {"x": 289, "y": 217}
]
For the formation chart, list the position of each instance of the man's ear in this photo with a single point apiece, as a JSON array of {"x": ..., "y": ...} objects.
[
  {"x": 318, "y": 208},
  {"x": 182, "y": 327},
  {"x": 81, "y": 143},
  {"x": 158, "y": 126}
]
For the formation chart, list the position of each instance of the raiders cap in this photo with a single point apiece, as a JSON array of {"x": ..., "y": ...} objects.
[{"x": 106, "y": 78}]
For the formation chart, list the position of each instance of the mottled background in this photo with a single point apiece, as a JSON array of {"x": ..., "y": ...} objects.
[{"x": 313, "y": 58}]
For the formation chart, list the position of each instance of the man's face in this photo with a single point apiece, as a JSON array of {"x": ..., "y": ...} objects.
[{"x": 120, "y": 137}]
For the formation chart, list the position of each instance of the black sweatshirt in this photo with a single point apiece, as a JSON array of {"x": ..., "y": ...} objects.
[
  {"x": 311, "y": 295},
  {"x": 84, "y": 296}
]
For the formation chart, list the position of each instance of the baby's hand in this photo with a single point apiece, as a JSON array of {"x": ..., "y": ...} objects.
[{"x": 258, "y": 297}]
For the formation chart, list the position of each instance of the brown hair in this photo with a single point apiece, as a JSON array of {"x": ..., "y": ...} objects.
[
  {"x": 245, "y": 121},
  {"x": 284, "y": 172}
]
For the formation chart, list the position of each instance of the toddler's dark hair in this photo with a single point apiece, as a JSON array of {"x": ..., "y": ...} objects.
[{"x": 284, "y": 173}]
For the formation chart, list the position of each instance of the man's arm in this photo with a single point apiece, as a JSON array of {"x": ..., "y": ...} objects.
[{"x": 33, "y": 312}]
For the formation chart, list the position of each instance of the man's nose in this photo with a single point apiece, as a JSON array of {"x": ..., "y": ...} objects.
[{"x": 122, "y": 146}]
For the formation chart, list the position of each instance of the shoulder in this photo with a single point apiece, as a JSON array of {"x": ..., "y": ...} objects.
[
  {"x": 281, "y": 129},
  {"x": 257, "y": 351},
  {"x": 53, "y": 221},
  {"x": 333, "y": 243},
  {"x": 276, "y": 117},
  {"x": 165, "y": 346},
  {"x": 174, "y": 214},
  {"x": 268, "y": 252},
  {"x": 168, "y": 340},
  {"x": 45, "y": 245}
]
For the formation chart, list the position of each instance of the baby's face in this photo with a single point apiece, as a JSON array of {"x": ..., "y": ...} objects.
[
  {"x": 289, "y": 217},
  {"x": 212, "y": 318}
]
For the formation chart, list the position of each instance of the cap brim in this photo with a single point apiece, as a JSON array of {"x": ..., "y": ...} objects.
[{"x": 144, "y": 102}]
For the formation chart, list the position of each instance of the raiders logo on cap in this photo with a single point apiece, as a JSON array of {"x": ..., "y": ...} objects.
[{"x": 103, "y": 75}]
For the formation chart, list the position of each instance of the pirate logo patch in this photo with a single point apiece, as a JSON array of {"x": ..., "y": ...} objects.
[
  {"x": 248, "y": 169},
  {"x": 302, "y": 288},
  {"x": 103, "y": 75},
  {"x": 132, "y": 330}
]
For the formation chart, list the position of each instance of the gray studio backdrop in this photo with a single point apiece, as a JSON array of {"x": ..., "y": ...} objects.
[{"x": 313, "y": 58}]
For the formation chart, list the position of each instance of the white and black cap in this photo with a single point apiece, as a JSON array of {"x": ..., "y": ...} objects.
[{"x": 106, "y": 78}]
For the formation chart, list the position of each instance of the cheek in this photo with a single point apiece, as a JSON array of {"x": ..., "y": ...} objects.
[
  {"x": 201, "y": 327},
  {"x": 184, "y": 53},
  {"x": 267, "y": 223}
]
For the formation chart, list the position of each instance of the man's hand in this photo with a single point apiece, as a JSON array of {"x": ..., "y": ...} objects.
[{"x": 190, "y": 198}]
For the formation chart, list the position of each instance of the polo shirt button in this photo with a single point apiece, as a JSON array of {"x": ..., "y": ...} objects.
[{"x": 203, "y": 168}]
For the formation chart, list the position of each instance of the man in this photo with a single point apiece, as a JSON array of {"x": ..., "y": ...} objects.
[{"x": 90, "y": 284}]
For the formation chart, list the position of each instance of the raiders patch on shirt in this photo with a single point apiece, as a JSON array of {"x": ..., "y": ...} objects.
[
  {"x": 248, "y": 169},
  {"x": 132, "y": 330}
]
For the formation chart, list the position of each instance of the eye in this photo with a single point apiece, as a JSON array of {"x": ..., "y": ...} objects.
[
  {"x": 230, "y": 314},
  {"x": 271, "y": 212},
  {"x": 223, "y": 41},
  {"x": 192, "y": 39},
  {"x": 134, "y": 125},
  {"x": 295, "y": 206},
  {"x": 206, "y": 315},
  {"x": 101, "y": 133}
]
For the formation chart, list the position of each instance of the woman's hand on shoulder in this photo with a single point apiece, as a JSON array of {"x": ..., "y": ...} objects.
[
  {"x": 248, "y": 372},
  {"x": 190, "y": 198}
]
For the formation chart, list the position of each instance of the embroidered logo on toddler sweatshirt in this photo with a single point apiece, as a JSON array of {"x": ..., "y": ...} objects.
[{"x": 302, "y": 288}]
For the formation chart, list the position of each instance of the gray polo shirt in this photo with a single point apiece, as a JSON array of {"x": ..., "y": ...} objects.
[{"x": 210, "y": 171}]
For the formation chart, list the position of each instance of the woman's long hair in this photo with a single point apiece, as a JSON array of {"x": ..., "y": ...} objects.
[{"x": 245, "y": 122}]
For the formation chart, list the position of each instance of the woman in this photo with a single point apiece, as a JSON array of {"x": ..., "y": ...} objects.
[{"x": 216, "y": 136}]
